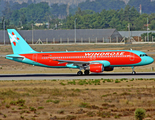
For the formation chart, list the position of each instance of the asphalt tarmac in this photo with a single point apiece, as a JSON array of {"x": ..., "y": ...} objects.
[
  {"x": 2, "y": 55},
  {"x": 74, "y": 76}
]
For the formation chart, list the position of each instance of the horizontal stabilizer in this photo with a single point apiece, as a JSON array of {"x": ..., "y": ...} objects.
[{"x": 15, "y": 57}]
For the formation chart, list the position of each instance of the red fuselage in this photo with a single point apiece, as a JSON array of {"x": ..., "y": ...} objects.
[{"x": 114, "y": 57}]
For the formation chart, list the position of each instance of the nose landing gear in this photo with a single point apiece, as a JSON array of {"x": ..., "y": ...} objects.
[{"x": 133, "y": 71}]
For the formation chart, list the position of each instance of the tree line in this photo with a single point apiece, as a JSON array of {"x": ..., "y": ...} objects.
[
  {"x": 25, "y": 15},
  {"x": 118, "y": 19},
  {"x": 148, "y": 6}
]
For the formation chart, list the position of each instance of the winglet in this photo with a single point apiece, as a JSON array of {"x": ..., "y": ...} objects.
[{"x": 19, "y": 45}]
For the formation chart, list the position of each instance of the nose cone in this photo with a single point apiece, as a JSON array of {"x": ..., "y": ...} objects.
[
  {"x": 146, "y": 60},
  {"x": 150, "y": 60}
]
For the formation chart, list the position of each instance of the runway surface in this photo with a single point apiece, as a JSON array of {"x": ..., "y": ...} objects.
[
  {"x": 2, "y": 55},
  {"x": 71, "y": 76}
]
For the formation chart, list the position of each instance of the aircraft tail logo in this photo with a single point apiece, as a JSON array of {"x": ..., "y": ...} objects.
[
  {"x": 13, "y": 38},
  {"x": 19, "y": 45}
]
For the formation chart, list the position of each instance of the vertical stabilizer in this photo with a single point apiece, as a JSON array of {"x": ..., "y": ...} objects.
[{"x": 19, "y": 45}]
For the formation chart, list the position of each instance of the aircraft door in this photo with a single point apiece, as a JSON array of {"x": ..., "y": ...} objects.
[
  {"x": 34, "y": 57},
  {"x": 132, "y": 57}
]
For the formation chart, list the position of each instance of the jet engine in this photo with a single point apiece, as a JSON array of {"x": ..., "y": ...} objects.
[
  {"x": 97, "y": 68},
  {"x": 108, "y": 68}
]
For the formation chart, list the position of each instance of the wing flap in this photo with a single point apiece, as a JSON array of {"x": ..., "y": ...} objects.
[
  {"x": 84, "y": 63},
  {"x": 75, "y": 63}
]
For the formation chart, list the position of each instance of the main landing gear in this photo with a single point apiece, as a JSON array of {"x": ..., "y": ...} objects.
[
  {"x": 79, "y": 73},
  {"x": 86, "y": 72},
  {"x": 133, "y": 71}
]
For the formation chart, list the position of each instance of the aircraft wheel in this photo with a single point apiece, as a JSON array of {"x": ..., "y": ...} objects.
[
  {"x": 86, "y": 72},
  {"x": 133, "y": 72},
  {"x": 79, "y": 73}
]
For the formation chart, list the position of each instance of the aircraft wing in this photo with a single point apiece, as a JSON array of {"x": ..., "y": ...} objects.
[
  {"x": 84, "y": 63},
  {"x": 79, "y": 63}
]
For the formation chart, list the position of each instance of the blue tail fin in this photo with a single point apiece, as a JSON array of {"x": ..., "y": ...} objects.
[{"x": 19, "y": 45}]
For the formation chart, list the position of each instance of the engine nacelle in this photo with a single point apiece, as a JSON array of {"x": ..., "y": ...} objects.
[
  {"x": 97, "y": 68},
  {"x": 108, "y": 68}
]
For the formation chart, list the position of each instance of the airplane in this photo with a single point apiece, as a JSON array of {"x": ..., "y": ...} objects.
[{"x": 89, "y": 61}]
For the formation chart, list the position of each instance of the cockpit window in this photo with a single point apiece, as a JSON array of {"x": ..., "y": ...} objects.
[{"x": 141, "y": 55}]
